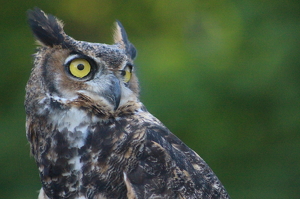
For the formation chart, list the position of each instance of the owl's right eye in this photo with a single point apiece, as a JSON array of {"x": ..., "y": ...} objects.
[{"x": 80, "y": 68}]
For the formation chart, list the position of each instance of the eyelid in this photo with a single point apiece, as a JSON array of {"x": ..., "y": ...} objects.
[
  {"x": 70, "y": 58},
  {"x": 130, "y": 66}
]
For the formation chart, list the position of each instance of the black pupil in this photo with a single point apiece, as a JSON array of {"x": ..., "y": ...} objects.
[
  {"x": 80, "y": 66},
  {"x": 123, "y": 72}
]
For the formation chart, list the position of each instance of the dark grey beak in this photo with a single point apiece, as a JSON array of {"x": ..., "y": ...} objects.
[{"x": 113, "y": 95}]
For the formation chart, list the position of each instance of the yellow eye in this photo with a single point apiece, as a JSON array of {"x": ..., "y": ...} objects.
[
  {"x": 126, "y": 74},
  {"x": 80, "y": 68}
]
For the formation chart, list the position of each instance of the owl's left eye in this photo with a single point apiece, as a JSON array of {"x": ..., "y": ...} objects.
[
  {"x": 80, "y": 68},
  {"x": 126, "y": 73}
]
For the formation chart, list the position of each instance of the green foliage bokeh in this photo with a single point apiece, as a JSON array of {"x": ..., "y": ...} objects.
[{"x": 224, "y": 76}]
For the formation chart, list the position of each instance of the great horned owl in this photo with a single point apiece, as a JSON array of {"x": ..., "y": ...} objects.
[{"x": 89, "y": 133}]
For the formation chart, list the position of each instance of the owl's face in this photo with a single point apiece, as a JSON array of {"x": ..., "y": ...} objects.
[
  {"x": 67, "y": 70},
  {"x": 95, "y": 70}
]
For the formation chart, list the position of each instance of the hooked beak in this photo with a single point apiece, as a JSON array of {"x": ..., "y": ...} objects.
[{"x": 113, "y": 94}]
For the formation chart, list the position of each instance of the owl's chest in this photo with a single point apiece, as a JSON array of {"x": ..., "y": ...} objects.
[
  {"x": 71, "y": 136},
  {"x": 81, "y": 151}
]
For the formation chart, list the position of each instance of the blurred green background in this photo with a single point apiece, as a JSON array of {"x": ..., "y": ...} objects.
[{"x": 224, "y": 76}]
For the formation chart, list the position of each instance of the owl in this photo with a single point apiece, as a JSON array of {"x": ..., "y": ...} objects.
[{"x": 90, "y": 135}]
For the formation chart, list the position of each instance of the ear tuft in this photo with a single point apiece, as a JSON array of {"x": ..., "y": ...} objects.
[
  {"x": 46, "y": 28},
  {"x": 120, "y": 37}
]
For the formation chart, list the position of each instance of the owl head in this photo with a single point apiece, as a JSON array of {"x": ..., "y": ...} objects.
[{"x": 70, "y": 71}]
